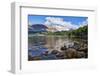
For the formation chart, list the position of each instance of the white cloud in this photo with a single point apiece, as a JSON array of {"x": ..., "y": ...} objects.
[
  {"x": 59, "y": 23},
  {"x": 84, "y": 23}
]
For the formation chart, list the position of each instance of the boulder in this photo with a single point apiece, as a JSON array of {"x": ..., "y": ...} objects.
[
  {"x": 84, "y": 49},
  {"x": 80, "y": 55},
  {"x": 71, "y": 53}
]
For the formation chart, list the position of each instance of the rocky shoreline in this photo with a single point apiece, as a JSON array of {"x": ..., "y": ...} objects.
[{"x": 78, "y": 50}]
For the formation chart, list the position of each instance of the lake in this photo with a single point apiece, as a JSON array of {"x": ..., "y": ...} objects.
[{"x": 40, "y": 45}]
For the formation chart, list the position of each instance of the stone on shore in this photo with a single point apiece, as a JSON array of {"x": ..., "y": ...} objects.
[
  {"x": 80, "y": 55},
  {"x": 71, "y": 53}
]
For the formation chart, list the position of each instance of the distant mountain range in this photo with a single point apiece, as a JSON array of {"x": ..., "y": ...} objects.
[
  {"x": 44, "y": 28},
  {"x": 37, "y": 28}
]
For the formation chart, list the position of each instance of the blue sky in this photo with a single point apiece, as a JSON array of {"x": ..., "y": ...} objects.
[{"x": 41, "y": 19}]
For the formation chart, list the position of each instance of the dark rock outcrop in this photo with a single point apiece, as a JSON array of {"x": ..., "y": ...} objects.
[{"x": 63, "y": 48}]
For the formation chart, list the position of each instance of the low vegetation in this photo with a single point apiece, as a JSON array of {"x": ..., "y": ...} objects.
[{"x": 82, "y": 32}]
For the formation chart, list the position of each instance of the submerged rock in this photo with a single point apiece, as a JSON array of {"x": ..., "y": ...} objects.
[
  {"x": 60, "y": 55},
  {"x": 34, "y": 58},
  {"x": 54, "y": 51},
  {"x": 45, "y": 53}
]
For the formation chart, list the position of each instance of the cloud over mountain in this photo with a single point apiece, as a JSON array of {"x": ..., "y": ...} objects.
[{"x": 59, "y": 24}]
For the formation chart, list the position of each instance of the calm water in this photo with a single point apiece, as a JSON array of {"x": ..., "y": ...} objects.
[{"x": 37, "y": 45}]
